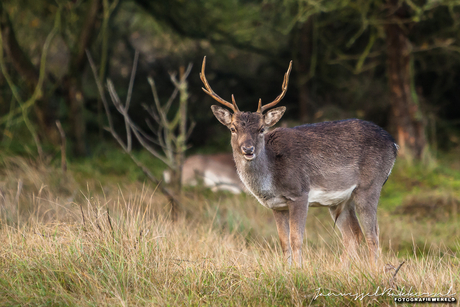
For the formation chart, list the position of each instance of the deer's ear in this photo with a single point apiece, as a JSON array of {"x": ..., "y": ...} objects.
[
  {"x": 223, "y": 115},
  {"x": 273, "y": 116}
]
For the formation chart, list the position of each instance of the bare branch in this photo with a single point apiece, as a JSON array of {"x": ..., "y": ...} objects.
[
  {"x": 182, "y": 78},
  {"x": 141, "y": 136},
  {"x": 147, "y": 172},
  {"x": 172, "y": 77},
  {"x": 152, "y": 113},
  {"x": 21, "y": 62},
  {"x": 392, "y": 280},
  {"x": 170, "y": 100},
  {"x": 86, "y": 34},
  {"x": 115, "y": 99},
  {"x": 128, "y": 98},
  {"x": 131, "y": 80},
  {"x": 104, "y": 102},
  {"x": 160, "y": 111},
  {"x": 138, "y": 132},
  {"x": 160, "y": 139},
  {"x": 149, "y": 138},
  {"x": 190, "y": 130},
  {"x": 63, "y": 147},
  {"x": 16, "y": 53},
  {"x": 152, "y": 129},
  {"x": 187, "y": 72}
]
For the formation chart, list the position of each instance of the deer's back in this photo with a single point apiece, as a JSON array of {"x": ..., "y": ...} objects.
[{"x": 331, "y": 155}]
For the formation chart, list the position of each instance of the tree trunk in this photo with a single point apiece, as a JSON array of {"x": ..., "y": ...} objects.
[
  {"x": 176, "y": 187},
  {"x": 407, "y": 119},
  {"x": 44, "y": 115},
  {"x": 75, "y": 98},
  {"x": 76, "y": 105},
  {"x": 303, "y": 54}
]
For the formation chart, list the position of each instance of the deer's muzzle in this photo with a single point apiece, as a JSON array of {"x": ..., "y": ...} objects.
[{"x": 248, "y": 152}]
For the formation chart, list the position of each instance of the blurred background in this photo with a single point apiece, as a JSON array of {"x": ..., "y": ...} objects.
[
  {"x": 396, "y": 63},
  {"x": 110, "y": 89},
  {"x": 101, "y": 103}
]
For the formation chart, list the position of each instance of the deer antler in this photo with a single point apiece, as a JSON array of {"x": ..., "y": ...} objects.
[
  {"x": 208, "y": 90},
  {"x": 284, "y": 87}
]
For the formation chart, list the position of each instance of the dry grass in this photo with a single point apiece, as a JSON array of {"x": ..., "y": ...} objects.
[{"x": 61, "y": 244}]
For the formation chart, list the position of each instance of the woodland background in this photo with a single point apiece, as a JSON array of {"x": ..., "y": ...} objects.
[
  {"x": 392, "y": 62},
  {"x": 82, "y": 224}
]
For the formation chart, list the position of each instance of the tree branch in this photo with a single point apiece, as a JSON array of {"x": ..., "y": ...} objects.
[
  {"x": 145, "y": 170},
  {"x": 19, "y": 59},
  {"x": 86, "y": 35}
]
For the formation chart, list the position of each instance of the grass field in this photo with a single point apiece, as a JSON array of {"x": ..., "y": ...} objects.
[{"x": 99, "y": 236}]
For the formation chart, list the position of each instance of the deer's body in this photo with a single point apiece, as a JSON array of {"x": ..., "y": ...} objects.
[
  {"x": 341, "y": 165},
  {"x": 326, "y": 160},
  {"x": 216, "y": 171}
]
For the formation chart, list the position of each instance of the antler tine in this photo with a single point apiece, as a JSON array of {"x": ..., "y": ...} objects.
[
  {"x": 284, "y": 87},
  {"x": 208, "y": 90},
  {"x": 234, "y": 103}
]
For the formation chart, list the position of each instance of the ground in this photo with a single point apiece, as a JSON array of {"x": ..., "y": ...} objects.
[{"x": 99, "y": 235}]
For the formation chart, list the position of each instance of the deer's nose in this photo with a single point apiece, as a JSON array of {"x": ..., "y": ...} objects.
[{"x": 247, "y": 150}]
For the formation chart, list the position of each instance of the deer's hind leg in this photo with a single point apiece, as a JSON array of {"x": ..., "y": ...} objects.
[
  {"x": 366, "y": 206},
  {"x": 344, "y": 217}
]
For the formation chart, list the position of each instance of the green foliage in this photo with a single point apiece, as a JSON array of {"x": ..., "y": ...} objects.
[
  {"x": 109, "y": 164},
  {"x": 409, "y": 180},
  {"x": 250, "y": 43}
]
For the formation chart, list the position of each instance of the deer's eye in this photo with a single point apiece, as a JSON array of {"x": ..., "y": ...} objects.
[
  {"x": 262, "y": 130},
  {"x": 233, "y": 130}
]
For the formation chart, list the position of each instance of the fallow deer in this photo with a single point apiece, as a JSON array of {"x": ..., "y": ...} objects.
[
  {"x": 341, "y": 165},
  {"x": 217, "y": 171}
]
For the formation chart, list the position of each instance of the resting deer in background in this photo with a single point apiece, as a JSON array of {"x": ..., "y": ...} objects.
[
  {"x": 341, "y": 165},
  {"x": 216, "y": 171}
]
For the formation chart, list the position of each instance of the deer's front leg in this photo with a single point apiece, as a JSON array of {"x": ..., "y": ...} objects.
[
  {"x": 298, "y": 210},
  {"x": 282, "y": 224}
]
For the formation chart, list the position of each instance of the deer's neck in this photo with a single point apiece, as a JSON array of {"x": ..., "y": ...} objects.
[{"x": 255, "y": 174}]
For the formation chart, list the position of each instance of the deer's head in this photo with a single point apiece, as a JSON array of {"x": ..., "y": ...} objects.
[{"x": 247, "y": 128}]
